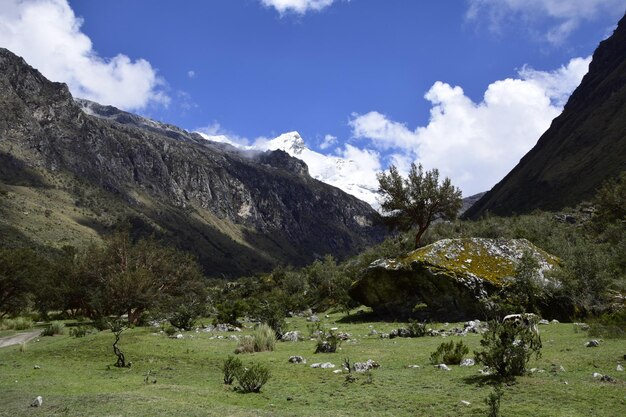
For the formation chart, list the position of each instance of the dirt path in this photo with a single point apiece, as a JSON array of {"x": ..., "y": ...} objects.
[{"x": 16, "y": 339}]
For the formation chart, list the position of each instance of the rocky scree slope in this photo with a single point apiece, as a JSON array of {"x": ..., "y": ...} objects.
[
  {"x": 239, "y": 212},
  {"x": 583, "y": 147}
]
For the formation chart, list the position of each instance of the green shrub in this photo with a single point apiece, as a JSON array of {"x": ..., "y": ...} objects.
[
  {"x": 416, "y": 328},
  {"x": 53, "y": 328},
  {"x": 507, "y": 348},
  {"x": 101, "y": 323},
  {"x": 170, "y": 330},
  {"x": 610, "y": 325},
  {"x": 327, "y": 343},
  {"x": 253, "y": 378},
  {"x": 18, "y": 323},
  {"x": 81, "y": 331},
  {"x": 449, "y": 353},
  {"x": 231, "y": 368},
  {"x": 493, "y": 401}
]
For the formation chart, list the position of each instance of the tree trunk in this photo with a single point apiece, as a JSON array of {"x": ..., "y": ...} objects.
[{"x": 418, "y": 235}]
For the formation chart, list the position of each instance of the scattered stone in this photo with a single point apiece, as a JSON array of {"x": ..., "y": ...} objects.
[
  {"x": 386, "y": 336},
  {"x": 297, "y": 359},
  {"x": 343, "y": 336},
  {"x": 468, "y": 362},
  {"x": 292, "y": 336},
  {"x": 180, "y": 336},
  {"x": 324, "y": 347},
  {"x": 443, "y": 367},
  {"x": 365, "y": 366},
  {"x": 337, "y": 371},
  {"x": 474, "y": 326},
  {"x": 313, "y": 318},
  {"x": 401, "y": 332},
  {"x": 327, "y": 316},
  {"x": 466, "y": 403},
  {"x": 608, "y": 378},
  {"x": 485, "y": 371},
  {"x": 325, "y": 365},
  {"x": 597, "y": 375},
  {"x": 37, "y": 402},
  {"x": 582, "y": 326},
  {"x": 413, "y": 366},
  {"x": 233, "y": 337},
  {"x": 225, "y": 327},
  {"x": 619, "y": 368},
  {"x": 373, "y": 332},
  {"x": 593, "y": 343},
  {"x": 543, "y": 322},
  {"x": 555, "y": 321},
  {"x": 36, "y": 367}
]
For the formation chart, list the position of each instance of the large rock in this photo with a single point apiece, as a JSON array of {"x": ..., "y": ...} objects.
[{"x": 452, "y": 276}]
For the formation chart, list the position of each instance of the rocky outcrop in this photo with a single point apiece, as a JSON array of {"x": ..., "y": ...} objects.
[
  {"x": 239, "y": 212},
  {"x": 452, "y": 276},
  {"x": 583, "y": 147}
]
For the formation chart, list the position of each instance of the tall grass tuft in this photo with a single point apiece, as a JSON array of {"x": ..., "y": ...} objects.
[
  {"x": 18, "y": 323},
  {"x": 263, "y": 339},
  {"x": 53, "y": 328}
]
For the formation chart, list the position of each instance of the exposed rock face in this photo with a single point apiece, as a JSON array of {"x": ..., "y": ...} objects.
[
  {"x": 452, "y": 276},
  {"x": 583, "y": 147},
  {"x": 239, "y": 212}
]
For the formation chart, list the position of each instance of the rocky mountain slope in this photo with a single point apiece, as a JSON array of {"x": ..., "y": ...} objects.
[
  {"x": 334, "y": 170},
  {"x": 70, "y": 171},
  {"x": 583, "y": 147}
]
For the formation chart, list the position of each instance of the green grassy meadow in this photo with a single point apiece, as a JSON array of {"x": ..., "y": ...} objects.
[{"x": 76, "y": 377}]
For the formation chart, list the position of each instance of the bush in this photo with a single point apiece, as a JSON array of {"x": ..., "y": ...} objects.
[
  {"x": 170, "y": 330},
  {"x": 54, "y": 328},
  {"x": 253, "y": 378},
  {"x": 231, "y": 368},
  {"x": 81, "y": 331},
  {"x": 609, "y": 325},
  {"x": 327, "y": 343},
  {"x": 449, "y": 353},
  {"x": 263, "y": 339},
  {"x": 416, "y": 329},
  {"x": 18, "y": 323},
  {"x": 493, "y": 401},
  {"x": 507, "y": 348}
]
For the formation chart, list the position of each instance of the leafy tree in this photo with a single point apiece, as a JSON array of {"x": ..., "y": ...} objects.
[
  {"x": 19, "y": 269},
  {"x": 418, "y": 199},
  {"x": 131, "y": 278},
  {"x": 610, "y": 200}
]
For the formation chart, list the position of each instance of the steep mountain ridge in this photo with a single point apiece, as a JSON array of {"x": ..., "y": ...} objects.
[
  {"x": 239, "y": 212},
  {"x": 583, "y": 147}
]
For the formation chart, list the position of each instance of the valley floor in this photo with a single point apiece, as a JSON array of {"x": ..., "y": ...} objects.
[{"x": 183, "y": 377}]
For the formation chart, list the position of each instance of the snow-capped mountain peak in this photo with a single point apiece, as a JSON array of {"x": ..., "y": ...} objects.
[{"x": 344, "y": 173}]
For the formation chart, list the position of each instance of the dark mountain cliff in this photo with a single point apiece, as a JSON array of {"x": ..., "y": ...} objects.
[
  {"x": 67, "y": 176},
  {"x": 583, "y": 147}
]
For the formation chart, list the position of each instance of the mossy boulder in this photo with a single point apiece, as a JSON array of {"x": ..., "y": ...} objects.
[{"x": 453, "y": 277}]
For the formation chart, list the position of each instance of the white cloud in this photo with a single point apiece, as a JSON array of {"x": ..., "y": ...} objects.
[
  {"x": 216, "y": 133},
  {"x": 191, "y": 74},
  {"x": 476, "y": 144},
  {"x": 297, "y": 6},
  {"x": 47, "y": 34},
  {"x": 564, "y": 16},
  {"x": 328, "y": 141}
]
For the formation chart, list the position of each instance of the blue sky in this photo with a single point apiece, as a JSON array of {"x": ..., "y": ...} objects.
[{"x": 350, "y": 76}]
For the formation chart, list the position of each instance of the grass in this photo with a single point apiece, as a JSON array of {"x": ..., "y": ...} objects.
[{"x": 76, "y": 377}]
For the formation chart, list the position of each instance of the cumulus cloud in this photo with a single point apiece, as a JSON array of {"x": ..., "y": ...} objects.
[
  {"x": 191, "y": 74},
  {"x": 564, "y": 16},
  {"x": 216, "y": 133},
  {"x": 476, "y": 144},
  {"x": 297, "y": 6},
  {"x": 47, "y": 34}
]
